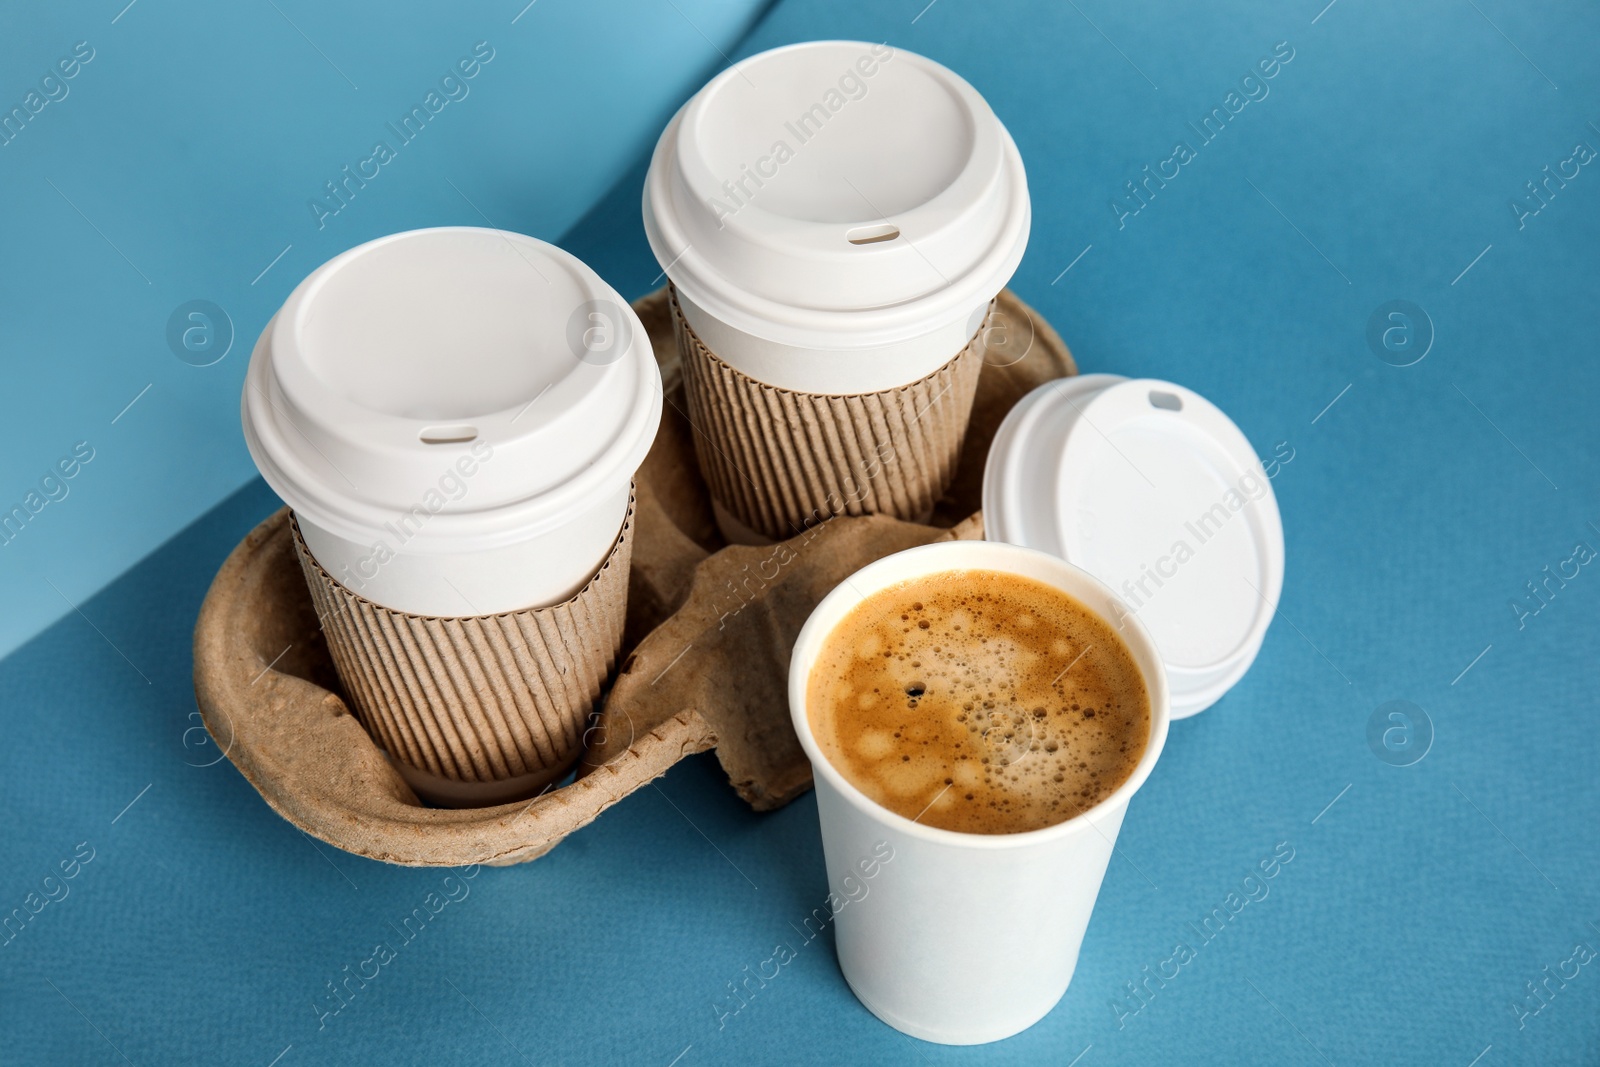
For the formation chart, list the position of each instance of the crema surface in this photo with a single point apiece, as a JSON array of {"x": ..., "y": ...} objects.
[{"x": 979, "y": 701}]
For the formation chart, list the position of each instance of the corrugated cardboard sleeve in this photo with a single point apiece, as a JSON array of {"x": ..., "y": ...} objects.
[
  {"x": 780, "y": 460},
  {"x": 484, "y": 698}
]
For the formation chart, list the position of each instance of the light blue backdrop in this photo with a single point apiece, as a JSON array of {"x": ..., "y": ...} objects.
[
  {"x": 177, "y": 164},
  {"x": 1422, "y": 901}
]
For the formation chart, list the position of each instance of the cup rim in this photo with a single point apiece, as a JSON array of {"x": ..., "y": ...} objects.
[{"x": 846, "y": 595}]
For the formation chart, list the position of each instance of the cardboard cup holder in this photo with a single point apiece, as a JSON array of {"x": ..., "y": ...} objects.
[{"x": 705, "y": 636}]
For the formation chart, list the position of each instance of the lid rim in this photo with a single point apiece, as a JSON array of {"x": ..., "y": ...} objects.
[
  {"x": 811, "y": 327},
  {"x": 508, "y": 523}
]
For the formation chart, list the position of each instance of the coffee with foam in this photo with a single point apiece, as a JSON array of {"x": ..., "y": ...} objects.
[{"x": 979, "y": 701}]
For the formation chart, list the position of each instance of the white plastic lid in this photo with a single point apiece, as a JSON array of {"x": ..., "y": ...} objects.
[
  {"x": 837, "y": 194},
  {"x": 393, "y": 361},
  {"x": 1153, "y": 490}
]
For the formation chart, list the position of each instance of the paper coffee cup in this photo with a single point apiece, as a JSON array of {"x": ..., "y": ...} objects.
[
  {"x": 835, "y": 218},
  {"x": 455, "y": 416},
  {"x": 910, "y": 948}
]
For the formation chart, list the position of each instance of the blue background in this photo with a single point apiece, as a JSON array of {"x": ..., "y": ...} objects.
[
  {"x": 1419, "y": 502},
  {"x": 180, "y": 167}
]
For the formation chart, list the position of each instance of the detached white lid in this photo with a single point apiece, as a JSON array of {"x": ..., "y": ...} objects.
[
  {"x": 1150, "y": 488},
  {"x": 397, "y": 359},
  {"x": 837, "y": 187}
]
